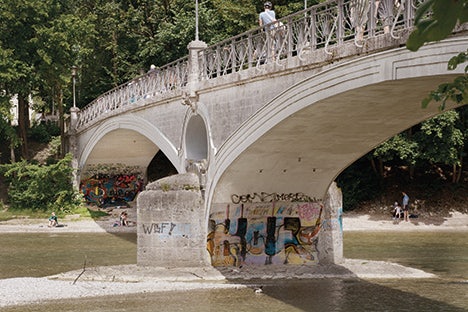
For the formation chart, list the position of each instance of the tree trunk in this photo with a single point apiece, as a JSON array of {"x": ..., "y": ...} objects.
[
  {"x": 23, "y": 124},
  {"x": 381, "y": 169},
  {"x": 374, "y": 168},
  {"x": 12, "y": 154},
  {"x": 457, "y": 172}
]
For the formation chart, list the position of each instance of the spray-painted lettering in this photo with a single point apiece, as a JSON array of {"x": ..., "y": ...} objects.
[
  {"x": 167, "y": 228},
  {"x": 272, "y": 197}
]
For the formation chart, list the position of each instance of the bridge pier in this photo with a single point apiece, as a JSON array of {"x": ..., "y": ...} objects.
[
  {"x": 172, "y": 231},
  {"x": 171, "y": 223}
]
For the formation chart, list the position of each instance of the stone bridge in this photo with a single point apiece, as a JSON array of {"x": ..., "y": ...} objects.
[{"x": 265, "y": 121}]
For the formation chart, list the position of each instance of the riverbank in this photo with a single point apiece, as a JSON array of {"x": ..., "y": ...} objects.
[
  {"x": 352, "y": 222},
  {"x": 455, "y": 221},
  {"x": 131, "y": 279}
]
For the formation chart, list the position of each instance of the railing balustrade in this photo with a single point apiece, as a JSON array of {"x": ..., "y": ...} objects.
[
  {"x": 160, "y": 81},
  {"x": 318, "y": 27}
]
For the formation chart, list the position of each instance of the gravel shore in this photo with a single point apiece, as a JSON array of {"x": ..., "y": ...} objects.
[{"x": 128, "y": 279}]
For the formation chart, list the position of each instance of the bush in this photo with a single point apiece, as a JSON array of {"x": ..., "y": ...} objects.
[{"x": 40, "y": 187}]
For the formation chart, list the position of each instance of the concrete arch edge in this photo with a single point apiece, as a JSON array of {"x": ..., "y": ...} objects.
[{"x": 138, "y": 125}]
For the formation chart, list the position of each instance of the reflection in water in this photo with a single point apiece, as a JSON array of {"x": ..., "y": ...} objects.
[{"x": 445, "y": 254}]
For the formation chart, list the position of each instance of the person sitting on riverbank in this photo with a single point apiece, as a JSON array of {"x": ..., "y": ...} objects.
[
  {"x": 53, "y": 221},
  {"x": 124, "y": 218},
  {"x": 396, "y": 211}
]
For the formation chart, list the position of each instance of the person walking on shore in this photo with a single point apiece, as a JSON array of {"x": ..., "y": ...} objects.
[{"x": 405, "y": 206}]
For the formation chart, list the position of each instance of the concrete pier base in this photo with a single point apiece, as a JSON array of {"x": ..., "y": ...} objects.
[
  {"x": 171, "y": 225},
  {"x": 330, "y": 242}
]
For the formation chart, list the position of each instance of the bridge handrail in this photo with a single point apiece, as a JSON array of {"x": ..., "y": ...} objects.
[
  {"x": 155, "y": 82},
  {"x": 318, "y": 27}
]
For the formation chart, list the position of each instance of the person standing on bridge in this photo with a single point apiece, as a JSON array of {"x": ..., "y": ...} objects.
[
  {"x": 359, "y": 10},
  {"x": 267, "y": 19}
]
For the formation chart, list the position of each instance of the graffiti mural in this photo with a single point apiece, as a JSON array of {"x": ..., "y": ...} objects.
[
  {"x": 103, "y": 190},
  {"x": 264, "y": 233}
]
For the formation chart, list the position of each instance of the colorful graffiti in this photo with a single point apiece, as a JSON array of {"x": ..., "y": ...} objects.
[
  {"x": 111, "y": 190},
  {"x": 264, "y": 233}
]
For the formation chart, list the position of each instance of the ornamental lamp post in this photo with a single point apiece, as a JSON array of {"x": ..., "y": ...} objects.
[
  {"x": 73, "y": 73},
  {"x": 196, "y": 20}
]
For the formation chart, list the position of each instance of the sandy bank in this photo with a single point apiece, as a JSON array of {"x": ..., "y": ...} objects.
[
  {"x": 354, "y": 222},
  {"x": 131, "y": 279},
  {"x": 351, "y": 222}
]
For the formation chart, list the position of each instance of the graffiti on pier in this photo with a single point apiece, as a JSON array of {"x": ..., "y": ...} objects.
[
  {"x": 167, "y": 229},
  {"x": 103, "y": 190},
  {"x": 264, "y": 233},
  {"x": 272, "y": 197}
]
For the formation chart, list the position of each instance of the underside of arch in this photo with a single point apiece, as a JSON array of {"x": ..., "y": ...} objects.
[
  {"x": 303, "y": 153},
  {"x": 122, "y": 146}
]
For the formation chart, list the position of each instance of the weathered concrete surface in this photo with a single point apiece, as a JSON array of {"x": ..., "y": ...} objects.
[
  {"x": 171, "y": 228},
  {"x": 330, "y": 242}
]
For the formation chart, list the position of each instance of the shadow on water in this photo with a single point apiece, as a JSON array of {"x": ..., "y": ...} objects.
[{"x": 340, "y": 295}]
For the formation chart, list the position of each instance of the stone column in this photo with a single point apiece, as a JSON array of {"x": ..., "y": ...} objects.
[
  {"x": 330, "y": 242},
  {"x": 171, "y": 223},
  {"x": 194, "y": 66}
]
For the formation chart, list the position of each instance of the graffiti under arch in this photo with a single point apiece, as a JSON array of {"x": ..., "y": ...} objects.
[
  {"x": 264, "y": 233},
  {"x": 111, "y": 190}
]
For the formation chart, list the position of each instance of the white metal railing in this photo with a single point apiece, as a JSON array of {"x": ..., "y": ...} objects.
[
  {"x": 160, "y": 81},
  {"x": 318, "y": 27}
]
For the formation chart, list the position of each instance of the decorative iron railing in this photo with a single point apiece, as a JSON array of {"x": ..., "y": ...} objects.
[
  {"x": 318, "y": 27},
  {"x": 160, "y": 81}
]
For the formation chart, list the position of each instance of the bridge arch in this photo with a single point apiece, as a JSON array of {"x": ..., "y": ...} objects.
[
  {"x": 132, "y": 126},
  {"x": 360, "y": 103}
]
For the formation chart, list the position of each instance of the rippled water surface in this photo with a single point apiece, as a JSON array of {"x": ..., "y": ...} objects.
[
  {"x": 442, "y": 253},
  {"x": 43, "y": 254}
]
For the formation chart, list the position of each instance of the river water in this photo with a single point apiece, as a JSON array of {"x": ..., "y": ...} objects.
[{"x": 442, "y": 253}]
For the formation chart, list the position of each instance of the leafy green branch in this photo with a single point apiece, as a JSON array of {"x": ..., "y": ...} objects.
[{"x": 434, "y": 21}]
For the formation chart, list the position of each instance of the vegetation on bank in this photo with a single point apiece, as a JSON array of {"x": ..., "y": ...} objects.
[
  {"x": 425, "y": 159},
  {"x": 41, "y": 187}
]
